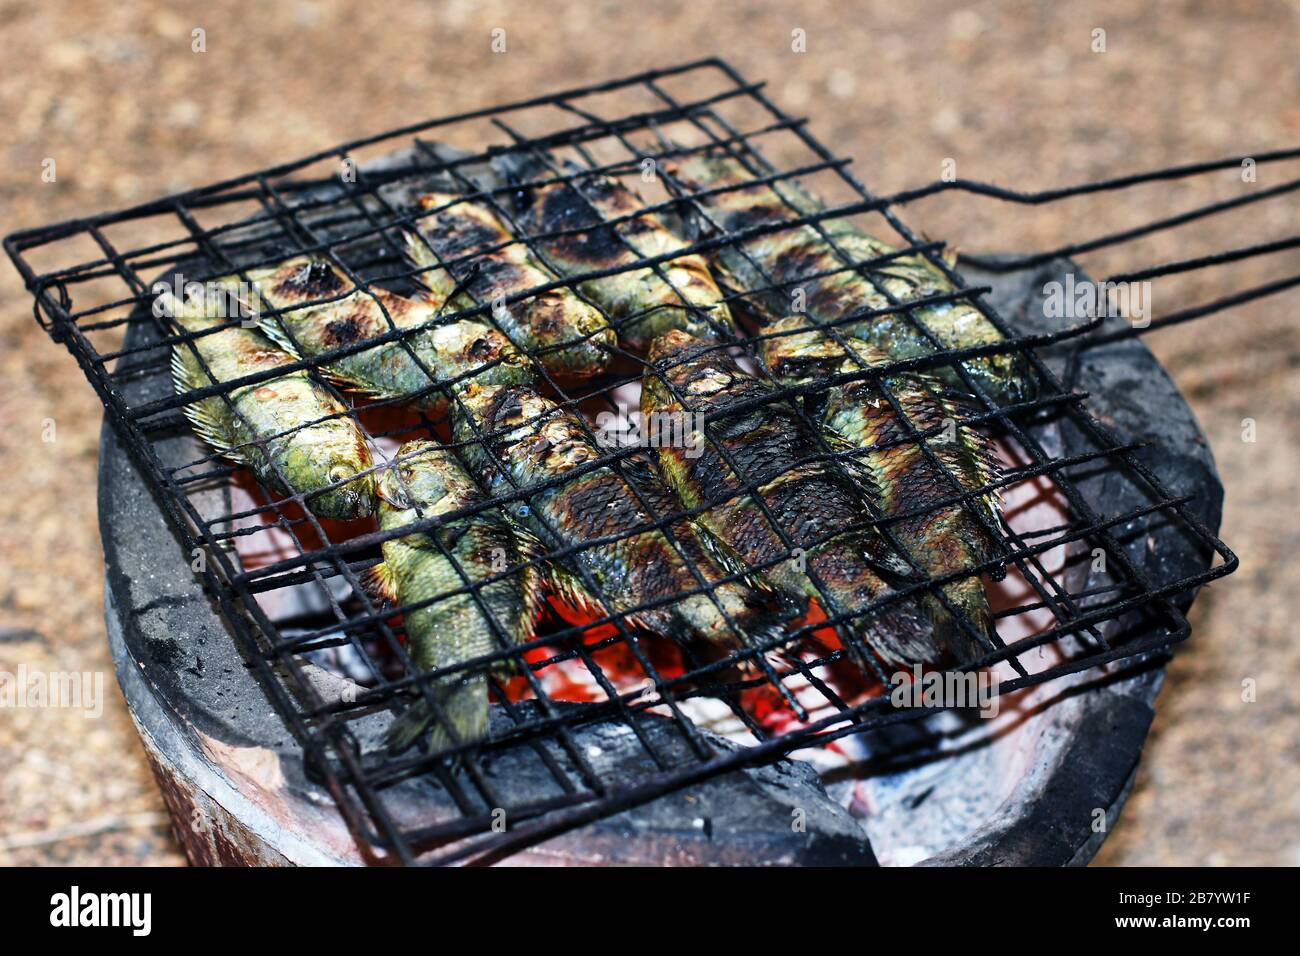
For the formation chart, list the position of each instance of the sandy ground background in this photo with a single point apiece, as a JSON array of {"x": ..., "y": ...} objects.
[{"x": 1013, "y": 92}]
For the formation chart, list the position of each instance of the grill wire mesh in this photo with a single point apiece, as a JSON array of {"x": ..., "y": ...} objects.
[{"x": 92, "y": 282}]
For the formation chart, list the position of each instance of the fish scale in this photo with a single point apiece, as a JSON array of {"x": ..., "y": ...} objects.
[
  {"x": 903, "y": 481},
  {"x": 644, "y": 302},
  {"x": 323, "y": 311},
  {"x": 815, "y": 502},
  {"x": 536, "y": 441},
  {"x": 564, "y": 333},
  {"x": 791, "y": 257}
]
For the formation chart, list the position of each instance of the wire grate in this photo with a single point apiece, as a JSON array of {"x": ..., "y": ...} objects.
[{"x": 289, "y": 582}]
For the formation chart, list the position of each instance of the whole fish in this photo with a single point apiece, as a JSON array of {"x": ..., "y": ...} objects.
[
  {"x": 814, "y": 503},
  {"x": 453, "y": 352},
  {"x": 278, "y": 427},
  {"x": 903, "y": 481},
  {"x": 642, "y": 302},
  {"x": 567, "y": 335},
  {"x": 638, "y": 572},
  {"x": 425, "y": 481},
  {"x": 790, "y": 258}
]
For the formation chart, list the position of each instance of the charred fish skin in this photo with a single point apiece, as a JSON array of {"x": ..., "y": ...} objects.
[
  {"x": 703, "y": 549},
  {"x": 280, "y": 426},
  {"x": 904, "y": 483},
  {"x": 642, "y": 302},
  {"x": 425, "y": 481},
  {"x": 567, "y": 335},
  {"x": 788, "y": 256},
  {"x": 531, "y": 442},
  {"x": 326, "y": 311},
  {"x": 816, "y": 504}
]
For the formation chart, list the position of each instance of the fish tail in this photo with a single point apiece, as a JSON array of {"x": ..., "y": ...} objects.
[
  {"x": 899, "y": 634},
  {"x": 464, "y": 703},
  {"x": 773, "y": 639},
  {"x": 968, "y": 597}
]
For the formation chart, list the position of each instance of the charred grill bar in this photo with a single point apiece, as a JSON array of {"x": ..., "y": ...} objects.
[{"x": 92, "y": 280}]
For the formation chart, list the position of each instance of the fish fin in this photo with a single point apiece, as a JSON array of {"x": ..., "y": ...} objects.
[
  {"x": 976, "y": 456},
  {"x": 210, "y": 429},
  {"x": 730, "y": 561},
  {"x": 535, "y": 587},
  {"x": 273, "y": 330},
  {"x": 463, "y": 702},
  {"x": 568, "y": 586},
  {"x": 354, "y": 384},
  {"x": 186, "y": 377},
  {"x": 856, "y": 469},
  {"x": 380, "y": 583},
  {"x": 535, "y": 579},
  {"x": 969, "y": 597},
  {"x": 406, "y": 729},
  {"x": 722, "y": 555},
  {"x": 900, "y": 634},
  {"x": 418, "y": 253},
  {"x": 206, "y": 424}
]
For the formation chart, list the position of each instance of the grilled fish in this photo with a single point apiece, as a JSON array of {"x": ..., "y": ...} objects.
[
  {"x": 426, "y": 481},
  {"x": 643, "y": 302},
  {"x": 902, "y": 480},
  {"x": 638, "y": 573},
  {"x": 563, "y": 332},
  {"x": 453, "y": 352},
  {"x": 796, "y": 258},
  {"x": 815, "y": 504},
  {"x": 281, "y": 428}
]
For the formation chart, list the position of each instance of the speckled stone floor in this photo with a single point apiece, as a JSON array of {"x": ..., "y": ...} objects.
[{"x": 1012, "y": 92}]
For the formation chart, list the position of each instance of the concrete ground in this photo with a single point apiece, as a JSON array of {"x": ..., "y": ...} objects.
[{"x": 1014, "y": 93}]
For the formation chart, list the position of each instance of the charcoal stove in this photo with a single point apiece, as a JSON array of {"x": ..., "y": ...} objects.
[{"x": 262, "y": 686}]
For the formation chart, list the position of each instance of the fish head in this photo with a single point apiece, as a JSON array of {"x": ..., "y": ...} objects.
[
  {"x": 685, "y": 368},
  {"x": 511, "y": 426},
  {"x": 424, "y": 479},
  {"x": 505, "y": 412},
  {"x": 331, "y": 455},
  {"x": 576, "y": 338},
  {"x": 298, "y": 280},
  {"x": 470, "y": 343}
]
